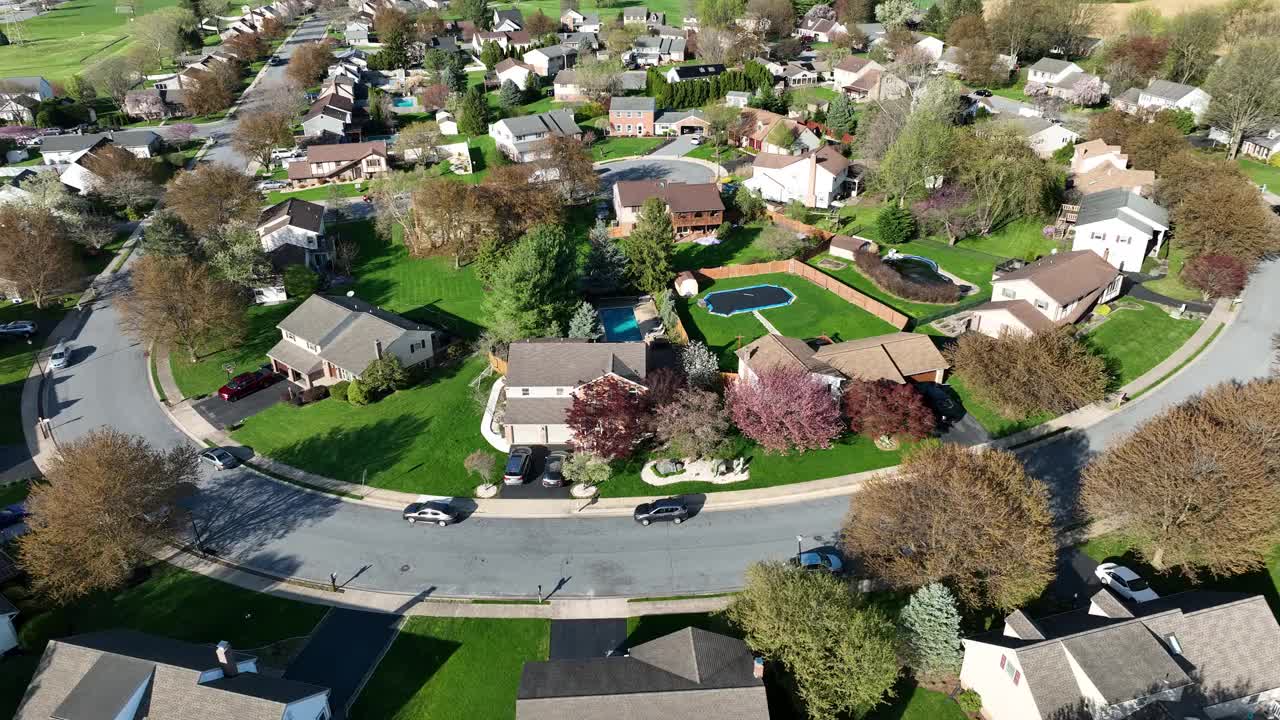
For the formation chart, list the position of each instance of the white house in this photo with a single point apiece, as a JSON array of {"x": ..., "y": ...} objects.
[
  {"x": 11, "y": 180},
  {"x": 515, "y": 71},
  {"x": 1166, "y": 95},
  {"x": 680, "y": 122},
  {"x": 543, "y": 376},
  {"x": 820, "y": 29},
  {"x": 1122, "y": 227},
  {"x": 951, "y": 61},
  {"x": 737, "y": 98},
  {"x": 930, "y": 46},
  {"x": 1060, "y": 78},
  {"x": 1058, "y": 289},
  {"x": 518, "y": 137},
  {"x": 8, "y": 636},
  {"x": 357, "y": 32},
  {"x": 31, "y": 86},
  {"x": 58, "y": 149},
  {"x": 813, "y": 178},
  {"x": 1044, "y": 137},
  {"x": 330, "y": 338},
  {"x": 1213, "y": 655},
  {"x": 446, "y": 122},
  {"x": 548, "y": 61},
  {"x": 297, "y": 224},
  {"x": 862, "y": 80},
  {"x": 648, "y": 50}
]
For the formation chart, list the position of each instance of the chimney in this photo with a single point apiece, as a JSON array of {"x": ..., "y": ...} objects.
[
  {"x": 811, "y": 194},
  {"x": 377, "y": 349},
  {"x": 757, "y": 668},
  {"x": 223, "y": 652}
]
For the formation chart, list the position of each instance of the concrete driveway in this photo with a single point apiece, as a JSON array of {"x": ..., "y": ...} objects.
[
  {"x": 652, "y": 168},
  {"x": 344, "y": 650},
  {"x": 682, "y": 146}
]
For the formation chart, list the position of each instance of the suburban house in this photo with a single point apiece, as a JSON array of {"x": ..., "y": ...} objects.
[
  {"x": 83, "y": 172},
  {"x": 1060, "y": 77},
  {"x": 952, "y": 61},
  {"x": 576, "y": 21},
  {"x": 519, "y": 39},
  {"x": 799, "y": 74},
  {"x": 1167, "y": 95},
  {"x": 330, "y": 338},
  {"x": 292, "y": 226},
  {"x": 153, "y": 104},
  {"x": 681, "y": 122},
  {"x": 632, "y": 116},
  {"x": 997, "y": 105},
  {"x": 357, "y": 32},
  {"x": 58, "y": 149},
  {"x": 519, "y": 137},
  {"x": 1097, "y": 166},
  {"x": 820, "y": 29},
  {"x": 1058, "y": 289},
  {"x": 1199, "y": 654},
  {"x": 929, "y": 46},
  {"x": 8, "y": 636},
  {"x": 641, "y": 14},
  {"x": 18, "y": 109},
  {"x": 1122, "y": 227},
  {"x": 864, "y": 80},
  {"x": 648, "y": 50},
  {"x": 681, "y": 73},
  {"x": 128, "y": 675},
  {"x": 34, "y": 87},
  {"x": 737, "y": 98},
  {"x": 694, "y": 207},
  {"x": 690, "y": 673},
  {"x": 11, "y": 190},
  {"x": 814, "y": 178},
  {"x": 340, "y": 163},
  {"x": 581, "y": 41},
  {"x": 543, "y": 375},
  {"x": 762, "y": 123},
  {"x": 565, "y": 87},
  {"x": 515, "y": 71},
  {"x": 508, "y": 20},
  {"x": 1044, "y": 137},
  {"x": 328, "y": 116},
  {"x": 548, "y": 61},
  {"x": 897, "y": 357}
]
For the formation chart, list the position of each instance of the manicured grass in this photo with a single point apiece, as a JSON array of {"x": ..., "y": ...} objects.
[
  {"x": 413, "y": 440},
  {"x": 1134, "y": 341},
  {"x": 616, "y": 147},
  {"x": 70, "y": 38},
  {"x": 707, "y": 151},
  {"x": 453, "y": 669},
  {"x": 172, "y": 603},
  {"x": 16, "y": 357},
  {"x": 206, "y": 375},
  {"x": 1261, "y": 173},
  {"x": 1016, "y": 90},
  {"x": 484, "y": 156},
  {"x": 1022, "y": 239},
  {"x": 919, "y": 704},
  {"x": 736, "y": 249},
  {"x": 13, "y": 493},
  {"x": 1171, "y": 285},
  {"x": 321, "y": 193},
  {"x": 815, "y": 312},
  {"x": 815, "y": 94}
]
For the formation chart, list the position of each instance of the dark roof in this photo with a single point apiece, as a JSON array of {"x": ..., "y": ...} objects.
[
  {"x": 1068, "y": 276},
  {"x": 105, "y": 689},
  {"x": 6, "y": 607},
  {"x": 536, "y": 411},
  {"x": 157, "y": 649},
  {"x": 275, "y": 689},
  {"x": 512, "y": 14},
  {"x": 300, "y": 213},
  {"x": 632, "y": 104},
  {"x": 73, "y": 143},
  {"x": 555, "y": 122},
  {"x": 680, "y": 197},
  {"x": 693, "y": 72},
  {"x": 285, "y": 255},
  {"x": 1169, "y": 90},
  {"x": 1108, "y": 204},
  {"x": 345, "y": 152}
]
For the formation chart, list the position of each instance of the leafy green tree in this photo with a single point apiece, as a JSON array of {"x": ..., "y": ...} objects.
[
  {"x": 1245, "y": 88},
  {"x": 167, "y": 235},
  {"x": 840, "y": 651},
  {"x": 720, "y": 13},
  {"x": 490, "y": 54},
  {"x": 586, "y": 469},
  {"x": 649, "y": 247},
  {"x": 357, "y": 393},
  {"x": 474, "y": 118},
  {"x": 509, "y": 96},
  {"x": 749, "y": 203},
  {"x": 895, "y": 13},
  {"x": 385, "y": 375},
  {"x": 535, "y": 286},
  {"x": 931, "y": 631},
  {"x": 585, "y": 323},
  {"x": 841, "y": 116},
  {"x": 300, "y": 281},
  {"x": 477, "y": 11},
  {"x": 896, "y": 225}
]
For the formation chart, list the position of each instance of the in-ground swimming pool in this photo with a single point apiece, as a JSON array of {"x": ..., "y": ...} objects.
[
  {"x": 404, "y": 102},
  {"x": 741, "y": 300},
  {"x": 620, "y": 324},
  {"x": 920, "y": 269}
]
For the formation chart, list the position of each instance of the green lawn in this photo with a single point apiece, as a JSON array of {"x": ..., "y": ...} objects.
[
  {"x": 1171, "y": 285},
  {"x": 16, "y": 357},
  {"x": 1014, "y": 91},
  {"x": 206, "y": 375},
  {"x": 616, "y": 147},
  {"x": 453, "y": 669},
  {"x": 484, "y": 155},
  {"x": 70, "y": 38},
  {"x": 172, "y": 603},
  {"x": 917, "y": 703},
  {"x": 1261, "y": 173},
  {"x": 815, "y": 94},
  {"x": 707, "y": 151},
  {"x": 815, "y": 312},
  {"x": 13, "y": 493},
  {"x": 321, "y": 193},
  {"x": 1134, "y": 341},
  {"x": 1021, "y": 239},
  {"x": 736, "y": 249}
]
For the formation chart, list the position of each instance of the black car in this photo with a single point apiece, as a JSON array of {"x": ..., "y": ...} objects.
[
  {"x": 553, "y": 469},
  {"x": 982, "y": 93},
  {"x": 517, "y": 465},
  {"x": 12, "y": 515},
  {"x": 666, "y": 510}
]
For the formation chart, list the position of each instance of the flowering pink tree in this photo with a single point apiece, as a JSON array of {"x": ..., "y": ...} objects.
[
  {"x": 182, "y": 132},
  {"x": 785, "y": 410},
  {"x": 884, "y": 410},
  {"x": 609, "y": 418},
  {"x": 947, "y": 210},
  {"x": 1088, "y": 93}
]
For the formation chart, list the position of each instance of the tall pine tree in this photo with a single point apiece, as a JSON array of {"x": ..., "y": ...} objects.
[
  {"x": 649, "y": 247},
  {"x": 534, "y": 289},
  {"x": 931, "y": 631}
]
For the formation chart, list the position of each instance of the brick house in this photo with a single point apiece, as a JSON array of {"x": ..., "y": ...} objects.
[
  {"x": 694, "y": 208},
  {"x": 632, "y": 116}
]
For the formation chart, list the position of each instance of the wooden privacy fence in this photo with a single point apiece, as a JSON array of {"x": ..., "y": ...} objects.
[
  {"x": 498, "y": 364},
  {"x": 815, "y": 276},
  {"x": 797, "y": 226}
]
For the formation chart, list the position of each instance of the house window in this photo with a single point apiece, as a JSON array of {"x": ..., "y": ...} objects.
[
  {"x": 1097, "y": 236},
  {"x": 1006, "y": 292},
  {"x": 1012, "y": 672},
  {"x": 289, "y": 336},
  {"x": 1042, "y": 305},
  {"x": 524, "y": 392},
  {"x": 1003, "y": 661}
]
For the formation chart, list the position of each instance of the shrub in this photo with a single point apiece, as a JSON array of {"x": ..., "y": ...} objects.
[
  {"x": 1216, "y": 275},
  {"x": 300, "y": 281},
  {"x": 894, "y": 283},
  {"x": 385, "y": 375},
  {"x": 357, "y": 393},
  {"x": 969, "y": 702},
  {"x": 338, "y": 390},
  {"x": 797, "y": 211},
  {"x": 885, "y": 409},
  {"x": 782, "y": 244},
  {"x": 749, "y": 203},
  {"x": 314, "y": 394},
  {"x": 1182, "y": 120},
  {"x": 1020, "y": 375},
  {"x": 896, "y": 225}
]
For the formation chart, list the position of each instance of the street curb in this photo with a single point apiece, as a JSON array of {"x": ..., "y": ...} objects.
[{"x": 717, "y": 169}]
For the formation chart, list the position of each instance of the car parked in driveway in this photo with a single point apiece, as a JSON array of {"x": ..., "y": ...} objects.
[
  {"x": 517, "y": 467},
  {"x": 272, "y": 185},
  {"x": 819, "y": 560},
  {"x": 1125, "y": 582},
  {"x": 666, "y": 510},
  {"x": 553, "y": 469},
  {"x": 438, "y": 512},
  {"x": 219, "y": 458},
  {"x": 19, "y": 328},
  {"x": 246, "y": 384}
]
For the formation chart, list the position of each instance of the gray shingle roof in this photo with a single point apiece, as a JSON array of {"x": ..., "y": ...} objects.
[
  {"x": 632, "y": 104},
  {"x": 30, "y": 83},
  {"x": 346, "y": 329},
  {"x": 536, "y": 411},
  {"x": 556, "y": 122},
  {"x": 570, "y": 364},
  {"x": 1168, "y": 89},
  {"x": 74, "y": 143},
  {"x": 104, "y": 691},
  {"x": 1108, "y": 204},
  {"x": 1027, "y": 126},
  {"x": 1051, "y": 65}
]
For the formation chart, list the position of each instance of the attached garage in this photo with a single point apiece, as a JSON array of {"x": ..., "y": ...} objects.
[
  {"x": 539, "y": 434},
  {"x": 536, "y": 420}
]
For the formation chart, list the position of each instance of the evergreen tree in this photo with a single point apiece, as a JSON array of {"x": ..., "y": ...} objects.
[
  {"x": 509, "y": 95},
  {"x": 585, "y": 323},
  {"x": 649, "y": 247},
  {"x": 534, "y": 287},
  {"x": 931, "y": 631},
  {"x": 841, "y": 117},
  {"x": 474, "y": 117},
  {"x": 490, "y": 54},
  {"x": 606, "y": 268},
  {"x": 896, "y": 225}
]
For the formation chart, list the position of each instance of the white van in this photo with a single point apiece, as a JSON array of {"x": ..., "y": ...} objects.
[{"x": 61, "y": 356}]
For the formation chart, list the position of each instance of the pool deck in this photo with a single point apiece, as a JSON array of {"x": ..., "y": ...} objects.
[{"x": 646, "y": 313}]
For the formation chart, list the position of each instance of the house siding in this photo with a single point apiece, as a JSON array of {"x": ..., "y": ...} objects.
[{"x": 1001, "y": 699}]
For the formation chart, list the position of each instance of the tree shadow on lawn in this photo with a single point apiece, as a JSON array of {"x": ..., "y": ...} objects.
[
  {"x": 346, "y": 452},
  {"x": 432, "y": 314},
  {"x": 402, "y": 674}
]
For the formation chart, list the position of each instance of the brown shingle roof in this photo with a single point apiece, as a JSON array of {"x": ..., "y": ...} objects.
[
  {"x": 570, "y": 364},
  {"x": 895, "y": 357},
  {"x": 852, "y": 64},
  {"x": 1022, "y": 311},
  {"x": 345, "y": 152},
  {"x": 680, "y": 197},
  {"x": 772, "y": 351},
  {"x": 1066, "y": 277}
]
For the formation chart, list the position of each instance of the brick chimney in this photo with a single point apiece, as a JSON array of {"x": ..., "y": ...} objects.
[
  {"x": 377, "y": 349},
  {"x": 224, "y": 655},
  {"x": 811, "y": 190}
]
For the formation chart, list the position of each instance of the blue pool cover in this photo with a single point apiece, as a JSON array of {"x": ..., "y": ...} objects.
[
  {"x": 620, "y": 324},
  {"x": 741, "y": 300}
]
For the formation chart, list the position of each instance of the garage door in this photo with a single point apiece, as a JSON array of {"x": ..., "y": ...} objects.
[
  {"x": 559, "y": 435},
  {"x": 526, "y": 434}
]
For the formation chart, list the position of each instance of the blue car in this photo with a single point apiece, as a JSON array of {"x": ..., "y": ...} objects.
[{"x": 13, "y": 515}]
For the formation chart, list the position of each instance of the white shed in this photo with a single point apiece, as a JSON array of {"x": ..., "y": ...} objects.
[
  {"x": 448, "y": 126},
  {"x": 686, "y": 284}
]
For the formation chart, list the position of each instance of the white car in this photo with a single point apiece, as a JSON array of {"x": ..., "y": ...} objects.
[
  {"x": 695, "y": 140},
  {"x": 219, "y": 458},
  {"x": 1125, "y": 582}
]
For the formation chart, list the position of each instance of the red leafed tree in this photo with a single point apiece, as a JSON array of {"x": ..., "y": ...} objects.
[
  {"x": 885, "y": 409},
  {"x": 1216, "y": 275},
  {"x": 785, "y": 410},
  {"x": 609, "y": 418}
]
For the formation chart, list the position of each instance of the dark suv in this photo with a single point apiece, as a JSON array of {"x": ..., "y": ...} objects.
[
  {"x": 517, "y": 465},
  {"x": 246, "y": 384},
  {"x": 665, "y": 510}
]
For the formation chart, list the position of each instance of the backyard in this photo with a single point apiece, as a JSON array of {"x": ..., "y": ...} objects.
[
  {"x": 1261, "y": 173},
  {"x": 737, "y": 248}
]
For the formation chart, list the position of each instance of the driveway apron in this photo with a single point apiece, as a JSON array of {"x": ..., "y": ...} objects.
[{"x": 343, "y": 652}]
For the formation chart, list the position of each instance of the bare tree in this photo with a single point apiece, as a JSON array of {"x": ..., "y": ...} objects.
[
  {"x": 418, "y": 141},
  {"x": 35, "y": 251},
  {"x": 177, "y": 302},
  {"x": 114, "y": 76},
  {"x": 568, "y": 165},
  {"x": 309, "y": 62},
  {"x": 212, "y": 195},
  {"x": 121, "y": 178},
  {"x": 257, "y": 134},
  {"x": 1245, "y": 88}
]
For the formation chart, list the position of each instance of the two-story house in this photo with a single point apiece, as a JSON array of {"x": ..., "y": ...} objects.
[
  {"x": 1167, "y": 95},
  {"x": 357, "y": 32},
  {"x": 643, "y": 16},
  {"x": 1097, "y": 166},
  {"x": 866, "y": 80},
  {"x": 813, "y": 178},
  {"x": 516, "y": 72},
  {"x": 295, "y": 228},
  {"x": 763, "y": 136},
  {"x": 1200, "y": 654},
  {"x": 632, "y": 116},
  {"x": 521, "y": 138},
  {"x": 543, "y": 375},
  {"x": 1059, "y": 289},
  {"x": 507, "y": 20},
  {"x": 128, "y": 675},
  {"x": 706, "y": 71},
  {"x": 897, "y": 357},
  {"x": 1060, "y": 78},
  {"x": 339, "y": 163},
  {"x": 58, "y": 149},
  {"x": 820, "y": 29},
  {"x": 330, "y": 338},
  {"x": 1044, "y": 137},
  {"x": 518, "y": 39},
  {"x": 647, "y": 50},
  {"x": 1122, "y": 227},
  {"x": 548, "y": 61},
  {"x": 694, "y": 207},
  {"x": 575, "y": 20}
]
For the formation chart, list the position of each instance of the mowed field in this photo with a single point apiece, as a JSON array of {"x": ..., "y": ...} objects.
[
  {"x": 1117, "y": 11},
  {"x": 71, "y": 37}
]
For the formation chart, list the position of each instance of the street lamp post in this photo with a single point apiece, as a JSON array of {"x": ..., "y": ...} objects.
[{"x": 799, "y": 540}]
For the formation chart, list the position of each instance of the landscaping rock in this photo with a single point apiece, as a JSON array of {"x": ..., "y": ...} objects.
[
  {"x": 580, "y": 490},
  {"x": 669, "y": 467},
  {"x": 487, "y": 490}
]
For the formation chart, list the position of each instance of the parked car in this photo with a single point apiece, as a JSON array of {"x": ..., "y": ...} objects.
[
  {"x": 219, "y": 458},
  {"x": 277, "y": 60},
  {"x": 61, "y": 356},
  {"x": 517, "y": 465},
  {"x": 20, "y": 328},
  {"x": 1125, "y": 582},
  {"x": 665, "y": 510},
  {"x": 982, "y": 93},
  {"x": 246, "y": 384},
  {"x": 272, "y": 185},
  {"x": 12, "y": 515},
  {"x": 695, "y": 140},
  {"x": 553, "y": 469},
  {"x": 46, "y": 132},
  {"x": 439, "y": 512},
  {"x": 823, "y": 560}
]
